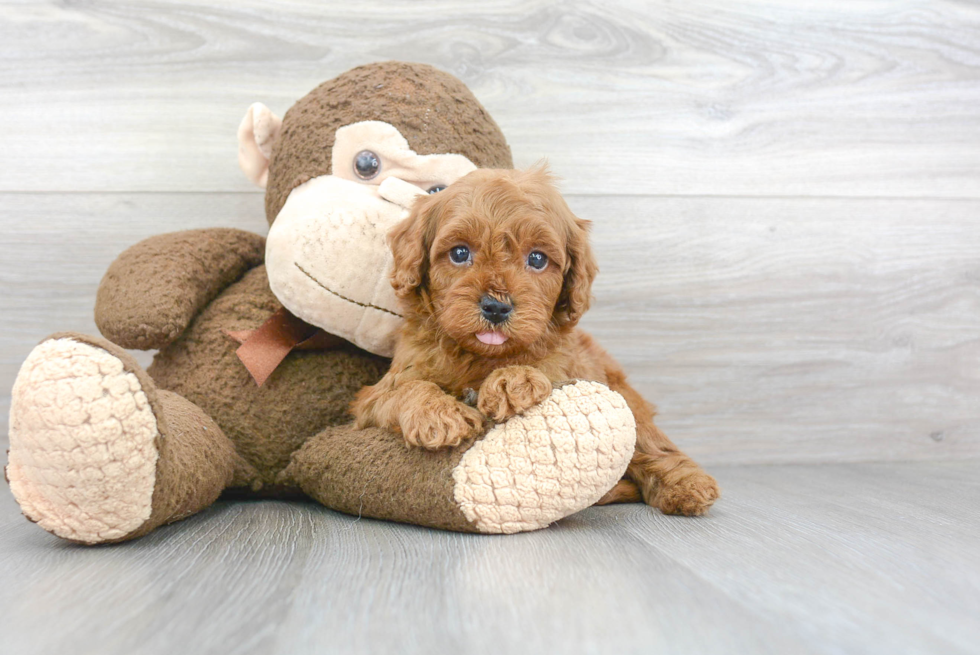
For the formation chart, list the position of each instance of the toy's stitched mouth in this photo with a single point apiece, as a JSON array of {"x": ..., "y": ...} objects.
[{"x": 350, "y": 300}]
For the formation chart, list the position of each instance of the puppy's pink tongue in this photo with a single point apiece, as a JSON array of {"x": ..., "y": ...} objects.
[{"x": 491, "y": 338}]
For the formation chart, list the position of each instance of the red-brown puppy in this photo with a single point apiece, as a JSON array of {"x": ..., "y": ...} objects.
[{"x": 493, "y": 274}]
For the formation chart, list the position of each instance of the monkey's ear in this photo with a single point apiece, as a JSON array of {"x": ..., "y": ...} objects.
[
  {"x": 410, "y": 241},
  {"x": 256, "y": 134}
]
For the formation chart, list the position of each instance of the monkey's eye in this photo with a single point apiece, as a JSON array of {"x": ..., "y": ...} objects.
[
  {"x": 460, "y": 255},
  {"x": 537, "y": 260},
  {"x": 367, "y": 165},
  {"x": 437, "y": 188}
]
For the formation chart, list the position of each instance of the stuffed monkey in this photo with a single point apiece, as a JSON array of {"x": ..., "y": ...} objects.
[{"x": 264, "y": 341}]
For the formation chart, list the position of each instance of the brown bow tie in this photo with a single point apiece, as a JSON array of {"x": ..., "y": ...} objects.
[{"x": 262, "y": 350}]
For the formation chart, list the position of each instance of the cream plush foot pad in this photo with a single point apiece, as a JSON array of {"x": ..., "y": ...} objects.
[
  {"x": 82, "y": 443},
  {"x": 559, "y": 457}
]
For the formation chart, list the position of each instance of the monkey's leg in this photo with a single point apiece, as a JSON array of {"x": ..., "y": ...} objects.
[
  {"x": 98, "y": 454},
  {"x": 557, "y": 458}
]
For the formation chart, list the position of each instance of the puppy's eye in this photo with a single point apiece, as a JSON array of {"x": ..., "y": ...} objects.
[
  {"x": 437, "y": 188},
  {"x": 537, "y": 260},
  {"x": 367, "y": 165},
  {"x": 460, "y": 255}
]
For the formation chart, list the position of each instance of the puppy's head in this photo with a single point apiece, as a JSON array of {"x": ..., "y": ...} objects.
[{"x": 497, "y": 261}]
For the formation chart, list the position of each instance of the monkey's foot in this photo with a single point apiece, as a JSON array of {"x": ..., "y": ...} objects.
[
  {"x": 555, "y": 459},
  {"x": 83, "y": 443}
]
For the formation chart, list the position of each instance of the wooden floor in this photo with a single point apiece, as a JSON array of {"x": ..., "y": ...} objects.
[
  {"x": 797, "y": 559},
  {"x": 786, "y": 207}
]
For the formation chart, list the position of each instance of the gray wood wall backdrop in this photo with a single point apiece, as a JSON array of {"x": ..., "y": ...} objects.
[{"x": 786, "y": 193}]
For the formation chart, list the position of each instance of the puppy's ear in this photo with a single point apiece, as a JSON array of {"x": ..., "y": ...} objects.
[
  {"x": 580, "y": 266},
  {"x": 576, "y": 292},
  {"x": 410, "y": 241}
]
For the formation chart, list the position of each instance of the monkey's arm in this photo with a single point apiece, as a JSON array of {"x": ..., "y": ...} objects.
[{"x": 154, "y": 289}]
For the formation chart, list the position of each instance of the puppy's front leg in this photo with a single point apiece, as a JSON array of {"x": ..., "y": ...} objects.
[
  {"x": 424, "y": 413},
  {"x": 512, "y": 390}
]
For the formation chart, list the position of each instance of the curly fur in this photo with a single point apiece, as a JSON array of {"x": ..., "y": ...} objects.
[{"x": 502, "y": 216}]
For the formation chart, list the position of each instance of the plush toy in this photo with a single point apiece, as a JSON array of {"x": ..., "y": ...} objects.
[{"x": 263, "y": 343}]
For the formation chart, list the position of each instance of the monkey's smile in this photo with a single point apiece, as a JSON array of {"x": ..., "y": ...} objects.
[{"x": 343, "y": 297}]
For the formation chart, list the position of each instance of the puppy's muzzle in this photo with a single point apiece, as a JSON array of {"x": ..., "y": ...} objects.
[{"x": 495, "y": 310}]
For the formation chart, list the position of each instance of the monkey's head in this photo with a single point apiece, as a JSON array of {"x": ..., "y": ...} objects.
[{"x": 341, "y": 168}]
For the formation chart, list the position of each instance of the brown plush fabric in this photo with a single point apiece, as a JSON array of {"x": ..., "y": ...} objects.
[
  {"x": 372, "y": 473},
  {"x": 307, "y": 393},
  {"x": 434, "y": 111},
  {"x": 152, "y": 290},
  {"x": 197, "y": 462}
]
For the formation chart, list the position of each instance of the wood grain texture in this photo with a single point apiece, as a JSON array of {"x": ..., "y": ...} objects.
[
  {"x": 796, "y": 329},
  {"x": 767, "y": 330},
  {"x": 766, "y": 97},
  {"x": 878, "y": 558}
]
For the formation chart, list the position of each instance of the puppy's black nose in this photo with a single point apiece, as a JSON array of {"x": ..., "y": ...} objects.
[{"x": 495, "y": 311}]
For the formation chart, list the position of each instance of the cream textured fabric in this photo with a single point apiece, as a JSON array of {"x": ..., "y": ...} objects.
[
  {"x": 329, "y": 264},
  {"x": 82, "y": 443},
  {"x": 402, "y": 193},
  {"x": 559, "y": 457}
]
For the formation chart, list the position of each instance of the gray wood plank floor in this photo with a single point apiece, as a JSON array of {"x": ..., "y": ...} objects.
[
  {"x": 797, "y": 559},
  {"x": 786, "y": 199}
]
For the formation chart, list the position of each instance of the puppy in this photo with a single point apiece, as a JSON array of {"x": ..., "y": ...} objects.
[{"x": 493, "y": 274}]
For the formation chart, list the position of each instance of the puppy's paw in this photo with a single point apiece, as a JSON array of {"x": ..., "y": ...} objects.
[
  {"x": 440, "y": 422},
  {"x": 512, "y": 390},
  {"x": 686, "y": 491}
]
